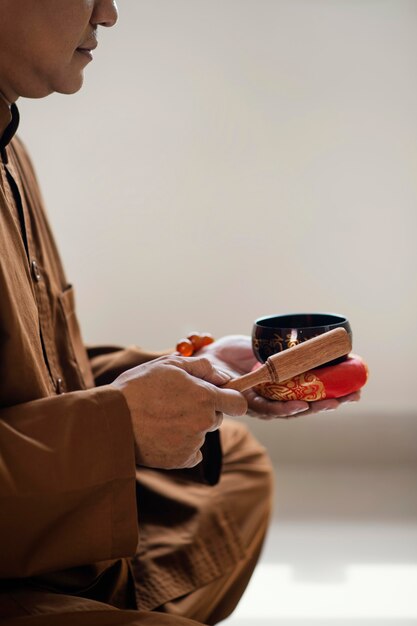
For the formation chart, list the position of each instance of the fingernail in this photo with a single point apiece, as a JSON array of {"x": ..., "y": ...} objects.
[
  {"x": 223, "y": 375},
  {"x": 297, "y": 411}
]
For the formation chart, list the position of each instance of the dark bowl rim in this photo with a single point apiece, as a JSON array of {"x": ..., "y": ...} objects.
[{"x": 342, "y": 319}]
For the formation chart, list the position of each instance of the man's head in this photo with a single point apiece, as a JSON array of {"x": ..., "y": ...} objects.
[{"x": 46, "y": 44}]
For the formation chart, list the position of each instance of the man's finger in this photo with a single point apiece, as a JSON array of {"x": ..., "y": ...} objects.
[
  {"x": 230, "y": 402},
  {"x": 194, "y": 460},
  {"x": 274, "y": 408},
  {"x": 217, "y": 423},
  {"x": 201, "y": 367},
  {"x": 352, "y": 397},
  {"x": 324, "y": 405}
]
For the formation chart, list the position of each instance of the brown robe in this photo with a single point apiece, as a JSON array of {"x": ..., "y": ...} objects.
[{"x": 81, "y": 528}]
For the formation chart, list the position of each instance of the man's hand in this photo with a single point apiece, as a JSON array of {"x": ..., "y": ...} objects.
[
  {"x": 234, "y": 355},
  {"x": 174, "y": 401}
]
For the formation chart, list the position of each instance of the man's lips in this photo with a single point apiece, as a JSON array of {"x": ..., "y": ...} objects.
[{"x": 87, "y": 48}]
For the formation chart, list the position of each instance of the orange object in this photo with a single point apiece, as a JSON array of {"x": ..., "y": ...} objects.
[
  {"x": 200, "y": 340},
  {"x": 195, "y": 339},
  {"x": 333, "y": 381},
  {"x": 193, "y": 343},
  {"x": 185, "y": 347},
  {"x": 206, "y": 339}
]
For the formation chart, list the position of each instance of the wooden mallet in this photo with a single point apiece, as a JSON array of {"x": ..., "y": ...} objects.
[{"x": 293, "y": 361}]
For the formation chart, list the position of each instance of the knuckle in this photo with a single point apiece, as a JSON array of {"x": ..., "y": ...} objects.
[
  {"x": 216, "y": 421},
  {"x": 167, "y": 359},
  {"x": 174, "y": 363},
  {"x": 205, "y": 364},
  {"x": 194, "y": 460},
  {"x": 182, "y": 461}
]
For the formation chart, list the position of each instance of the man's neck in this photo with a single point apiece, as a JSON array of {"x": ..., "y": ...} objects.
[{"x": 5, "y": 100}]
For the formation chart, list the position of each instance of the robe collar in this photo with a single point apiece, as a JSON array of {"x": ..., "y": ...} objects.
[{"x": 9, "y": 121}]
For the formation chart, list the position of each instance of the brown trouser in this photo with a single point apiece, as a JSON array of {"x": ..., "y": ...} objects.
[{"x": 246, "y": 485}]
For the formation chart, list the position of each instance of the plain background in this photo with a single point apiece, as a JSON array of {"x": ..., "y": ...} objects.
[{"x": 228, "y": 159}]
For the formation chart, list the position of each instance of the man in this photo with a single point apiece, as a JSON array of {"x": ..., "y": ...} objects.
[{"x": 119, "y": 502}]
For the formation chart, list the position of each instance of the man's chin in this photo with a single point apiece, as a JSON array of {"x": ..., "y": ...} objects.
[
  {"x": 70, "y": 86},
  {"x": 66, "y": 87}
]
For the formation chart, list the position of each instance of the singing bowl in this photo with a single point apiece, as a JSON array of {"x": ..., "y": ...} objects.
[{"x": 272, "y": 334}]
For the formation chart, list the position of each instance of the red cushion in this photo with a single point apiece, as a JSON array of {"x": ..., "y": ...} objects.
[{"x": 333, "y": 381}]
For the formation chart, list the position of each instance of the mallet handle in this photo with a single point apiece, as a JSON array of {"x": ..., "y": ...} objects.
[{"x": 293, "y": 361}]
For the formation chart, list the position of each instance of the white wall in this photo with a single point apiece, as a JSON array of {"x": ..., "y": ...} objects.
[{"x": 233, "y": 158}]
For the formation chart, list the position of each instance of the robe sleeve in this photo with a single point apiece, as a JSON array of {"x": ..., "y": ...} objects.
[
  {"x": 108, "y": 362},
  {"x": 67, "y": 482}
]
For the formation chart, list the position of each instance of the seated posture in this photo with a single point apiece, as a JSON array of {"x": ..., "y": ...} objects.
[{"x": 124, "y": 499}]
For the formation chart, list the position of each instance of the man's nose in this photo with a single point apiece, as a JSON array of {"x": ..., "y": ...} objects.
[{"x": 105, "y": 13}]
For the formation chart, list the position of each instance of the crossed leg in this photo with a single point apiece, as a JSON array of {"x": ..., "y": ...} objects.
[{"x": 245, "y": 489}]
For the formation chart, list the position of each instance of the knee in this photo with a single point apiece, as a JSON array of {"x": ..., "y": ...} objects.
[{"x": 243, "y": 454}]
